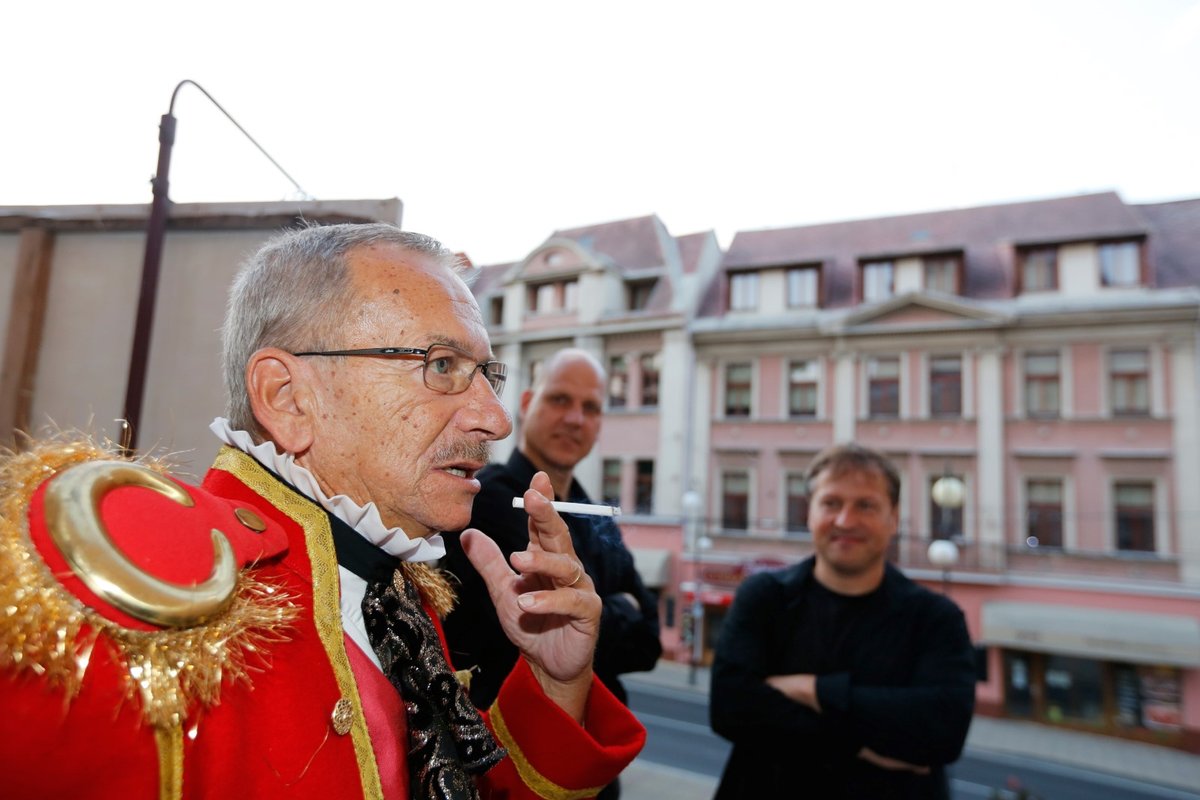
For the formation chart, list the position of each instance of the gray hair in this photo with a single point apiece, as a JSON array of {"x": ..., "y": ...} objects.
[{"x": 294, "y": 293}]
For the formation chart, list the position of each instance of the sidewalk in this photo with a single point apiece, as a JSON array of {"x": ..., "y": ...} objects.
[{"x": 1147, "y": 763}]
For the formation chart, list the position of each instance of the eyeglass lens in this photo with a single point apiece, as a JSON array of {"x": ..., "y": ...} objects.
[{"x": 449, "y": 371}]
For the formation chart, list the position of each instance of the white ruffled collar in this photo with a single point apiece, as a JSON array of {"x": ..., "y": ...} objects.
[{"x": 364, "y": 519}]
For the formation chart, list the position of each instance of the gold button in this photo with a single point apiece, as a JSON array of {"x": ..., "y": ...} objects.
[
  {"x": 250, "y": 519},
  {"x": 342, "y": 717}
]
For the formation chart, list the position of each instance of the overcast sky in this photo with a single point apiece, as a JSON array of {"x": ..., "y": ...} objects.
[{"x": 497, "y": 123}]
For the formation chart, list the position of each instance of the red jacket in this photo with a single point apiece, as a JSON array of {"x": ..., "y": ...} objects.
[{"x": 300, "y": 712}]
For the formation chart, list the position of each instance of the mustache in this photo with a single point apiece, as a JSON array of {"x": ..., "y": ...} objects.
[{"x": 456, "y": 452}]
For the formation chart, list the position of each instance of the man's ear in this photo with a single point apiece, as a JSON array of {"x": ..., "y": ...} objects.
[
  {"x": 526, "y": 396},
  {"x": 280, "y": 398}
]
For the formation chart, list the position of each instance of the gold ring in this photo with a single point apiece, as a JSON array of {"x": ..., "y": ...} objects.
[{"x": 578, "y": 575}]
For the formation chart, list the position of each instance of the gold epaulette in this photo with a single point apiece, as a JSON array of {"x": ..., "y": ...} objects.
[{"x": 184, "y": 653}]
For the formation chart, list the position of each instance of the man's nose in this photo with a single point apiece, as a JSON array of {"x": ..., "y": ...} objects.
[
  {"x": 574, "y": 414},
  {"x": 846, "y": 517},
  {"x": 484, "y": 411}
]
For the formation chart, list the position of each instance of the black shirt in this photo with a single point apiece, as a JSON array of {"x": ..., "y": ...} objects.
[{"x": 629, "y": 632}]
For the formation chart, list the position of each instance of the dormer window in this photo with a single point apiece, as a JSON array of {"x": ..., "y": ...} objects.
[
  {"x": 1039, "y": 269},
  {"x": 878, "y": 281},
  {"x": 639, "y": 293},
  {"x": 743, "y": 291},
  {"x": 1120, "y": 264},
  {"x": 941, "y": 273},
  {"x": 554, "y": 296},
  {"x": 803, "y": 287}
]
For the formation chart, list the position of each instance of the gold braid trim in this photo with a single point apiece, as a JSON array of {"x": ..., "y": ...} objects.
[
  {"x": 170, "y": 762},
  {"x": 539, "y": 783},
  {"x": 46, "y": 630},
  {"x": 327, "y": 608}
]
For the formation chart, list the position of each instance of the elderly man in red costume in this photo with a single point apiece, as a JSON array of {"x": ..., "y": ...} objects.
[{"x": 275, "y": 632}]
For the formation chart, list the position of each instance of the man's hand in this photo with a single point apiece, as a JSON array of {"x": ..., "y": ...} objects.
[
  {"x": 799, "y": 687},
  {"x": 548, "y": 607},
  {"x": 895, "y": 764}
]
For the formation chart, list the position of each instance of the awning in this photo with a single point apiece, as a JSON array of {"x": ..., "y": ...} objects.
[
  {"x": 1130, "y": 636},
  {"x": 653, "y": 565}
]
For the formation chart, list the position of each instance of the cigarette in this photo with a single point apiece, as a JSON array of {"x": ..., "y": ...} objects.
[{"x": 576, "y": 508}]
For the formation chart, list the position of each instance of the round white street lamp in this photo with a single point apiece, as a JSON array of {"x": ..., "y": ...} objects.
[{"x": 948, "y": 492}]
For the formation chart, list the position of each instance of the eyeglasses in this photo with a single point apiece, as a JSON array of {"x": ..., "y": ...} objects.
[{"x": 446, "y": 369}]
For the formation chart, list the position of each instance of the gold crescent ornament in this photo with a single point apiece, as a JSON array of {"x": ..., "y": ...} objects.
[{"x": 72, "y": 507}]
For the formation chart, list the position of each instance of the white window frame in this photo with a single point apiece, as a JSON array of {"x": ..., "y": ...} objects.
[
  {"x": 1070, "y": 531},
  {"x": 1162, "y": 515},
  {"x": 818, "y": 367},
  {"x": 746, "y": 298},
  {"x": 811, "y": 275},
  {"x": 880, "y": 265},
  {"x": 864, "y": 387},
  {"x": 724, "y": 385}
]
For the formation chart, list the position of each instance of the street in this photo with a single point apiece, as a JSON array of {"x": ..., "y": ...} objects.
[{"x": 678, "y": 736}]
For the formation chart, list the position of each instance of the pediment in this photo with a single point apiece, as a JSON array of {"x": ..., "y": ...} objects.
[
  {"x": 919, "y": 310},
  {"x": 555, "y": 258}
]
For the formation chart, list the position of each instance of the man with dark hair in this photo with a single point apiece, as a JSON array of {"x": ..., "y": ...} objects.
[
  {"x": 560, "y": 421},
  {"x": 274, "y": 632},
  {"x": 839, "y": 677}
]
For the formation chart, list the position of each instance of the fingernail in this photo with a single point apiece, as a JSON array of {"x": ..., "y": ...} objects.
[
  {"x": 526, "y": 601},
  {"x": 521, "y": 557}
]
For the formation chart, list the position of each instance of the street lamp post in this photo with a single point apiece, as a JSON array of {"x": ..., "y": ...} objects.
[
  {"x": 949, "y": 493},
  {"x": 691, "y": 511},
  {"x": 156, "y": 228}
]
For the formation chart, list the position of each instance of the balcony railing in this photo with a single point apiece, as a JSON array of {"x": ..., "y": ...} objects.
[{"x": 910, "y": 551}]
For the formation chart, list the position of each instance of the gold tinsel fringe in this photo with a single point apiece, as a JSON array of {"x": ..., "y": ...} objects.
[
  {"x": 46, "y": 630},
  {"x": 432, "y": 584}
]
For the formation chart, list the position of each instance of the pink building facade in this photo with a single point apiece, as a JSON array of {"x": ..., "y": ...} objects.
[{"x": 1043, "y": 354}]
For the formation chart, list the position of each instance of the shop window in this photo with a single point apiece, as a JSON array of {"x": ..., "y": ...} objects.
[
  {"x": 735, "y": 500},
  {"x": 651, "y": 366},
  {"x": 802, "y": 389},
  {"x": 1113, "y": 697},
  {"x": 1133, "y": 511},
  {"x": 796, "y": 492},
  {"x": 1042, "y": 385},
  {"x": 618, "y": 380},
  {"x": 610, "y": 485},
  {"x": 643, "y": 501},
  {"x": 1129, "y": 382},
  {"x": 945, "y": 386},
  {"x": 1018, "y": 680},
  {"x": 1044, "y": 513},
  {"x": 1074, "y": 690},
  {"x": 883, "y": 386},
  {"x": 738, "y": 378}
]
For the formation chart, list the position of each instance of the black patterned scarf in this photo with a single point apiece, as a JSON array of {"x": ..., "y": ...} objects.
[{"x": 448, "y": 741}]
